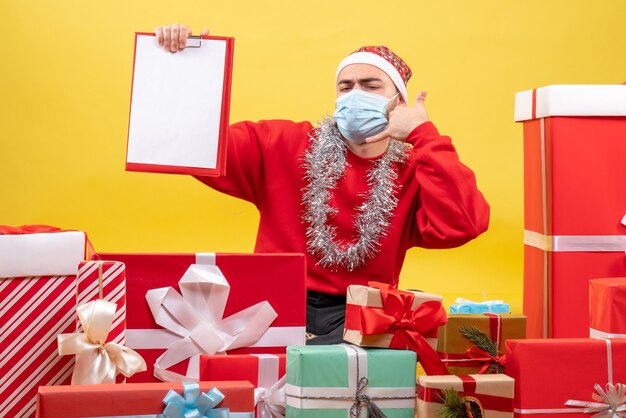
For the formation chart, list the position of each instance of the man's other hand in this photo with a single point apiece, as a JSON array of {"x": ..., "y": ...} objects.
[{"x": 174, "y": 37}]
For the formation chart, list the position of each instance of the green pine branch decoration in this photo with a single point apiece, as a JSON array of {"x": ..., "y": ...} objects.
[
  {"x": 456, "y": 406},
  {"x": 453, "y": 404},
  {"x": 482, "y": 341}
]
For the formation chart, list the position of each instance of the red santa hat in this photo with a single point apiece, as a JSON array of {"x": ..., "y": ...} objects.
[{"x": 385, "y": 59}]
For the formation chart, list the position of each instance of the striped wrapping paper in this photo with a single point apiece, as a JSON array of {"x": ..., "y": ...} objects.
[
  {"x": 33, "y": 310},
  {"x": 104, "y": 280}
]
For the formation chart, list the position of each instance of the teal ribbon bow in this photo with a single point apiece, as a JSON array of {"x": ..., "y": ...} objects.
[{"x": 194, "y": 404}]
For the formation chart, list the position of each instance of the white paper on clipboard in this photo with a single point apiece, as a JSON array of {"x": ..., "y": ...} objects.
[{"x": 177, "y": 106}]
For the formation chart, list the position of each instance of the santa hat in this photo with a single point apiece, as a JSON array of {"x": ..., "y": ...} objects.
[{"x": 385, "y": 59}]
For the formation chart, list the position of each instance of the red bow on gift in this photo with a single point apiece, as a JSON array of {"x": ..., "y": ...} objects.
[
  {"x": 480, "y": 355},
  {"x": 407, "y": 326}
]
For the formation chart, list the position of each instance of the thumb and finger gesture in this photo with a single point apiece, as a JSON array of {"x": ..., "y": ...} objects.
[
  {"x": 174, "y": 37},
  {"x": 403, "y": 120}
]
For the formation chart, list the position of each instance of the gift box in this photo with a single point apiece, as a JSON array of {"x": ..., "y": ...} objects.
[
  {"x": 167, "y": 328},
  {"x": 378, "y": 316},
  {"x": 572, "y": 216},
  {"x": 549, "y": 373},
  {"x": 347, "y": 380},
  {"x": 462, "y": 356},
  {"x": 138, "y": 399},
  {"x": 607, "y": 307},
  {"x": 465, "y": 306},
  {"x": 265, "y": 371},
  {"x": 492, "y": 395},
  {"x": 37, "y": 302},
  {"x": 105, "y": 280}
]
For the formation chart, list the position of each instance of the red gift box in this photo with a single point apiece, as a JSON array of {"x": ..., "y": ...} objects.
[
  {"x": 548, "y": 373},
  {"x": 132, "y": 399},
  {"x": 263, "y": 370},
  {"x": 574, "y": 201},
  {"x": 276, "y": 278},
  {"x": 607, "y": 307},
  {"x": 34, "y": 308}
]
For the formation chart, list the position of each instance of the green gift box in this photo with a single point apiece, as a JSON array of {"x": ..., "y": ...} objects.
[{"x": 343, "y": 381}]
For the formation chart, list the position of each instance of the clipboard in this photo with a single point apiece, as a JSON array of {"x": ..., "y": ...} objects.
[{"x": 179, "y": 106}]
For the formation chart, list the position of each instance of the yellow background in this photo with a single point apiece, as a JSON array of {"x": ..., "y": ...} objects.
[{"x": 66, "y": 74}]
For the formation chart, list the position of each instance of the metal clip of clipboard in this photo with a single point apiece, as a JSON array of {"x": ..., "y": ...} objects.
[{"x": 194, "y": 41}]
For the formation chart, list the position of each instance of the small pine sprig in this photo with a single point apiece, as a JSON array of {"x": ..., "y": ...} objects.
[
  {"x": 482, "y": 341},
  {"x": 453, "y": 404},
  {"x": 456, "y": 406}
]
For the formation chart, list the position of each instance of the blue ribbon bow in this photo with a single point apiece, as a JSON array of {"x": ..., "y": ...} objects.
[{"x": 194, "y": 404}]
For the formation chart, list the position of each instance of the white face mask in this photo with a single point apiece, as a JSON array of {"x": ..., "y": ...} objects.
[{"x": 360, "y": 114}]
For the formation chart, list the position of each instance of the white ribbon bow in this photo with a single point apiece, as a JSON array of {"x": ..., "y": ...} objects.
[
  {"x": 609, "y": 404},
  {"x": 96, "y": 361},
  {"x": 196, "y": 318},
  {"x": 271, "y": 402}
]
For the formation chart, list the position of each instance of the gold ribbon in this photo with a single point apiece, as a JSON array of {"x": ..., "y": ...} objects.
[{"x": 96, "y": 360}]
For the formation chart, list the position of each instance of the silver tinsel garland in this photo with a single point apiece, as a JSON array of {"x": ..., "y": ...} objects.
[{"x": 325, "y": 163}]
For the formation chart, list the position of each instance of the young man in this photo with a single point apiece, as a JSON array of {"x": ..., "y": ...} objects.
[{"x": 355, "y": 192}]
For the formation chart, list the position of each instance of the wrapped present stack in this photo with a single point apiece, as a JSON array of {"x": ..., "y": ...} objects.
[
  {"x": 574, "y": 200},
  {"x": 37, "y": 302},
  {"x": 89, "y": 334},
  {"x": 575, "y": 238}
]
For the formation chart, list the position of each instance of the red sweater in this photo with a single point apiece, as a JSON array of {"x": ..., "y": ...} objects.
[{"x": 439, "y": 204}]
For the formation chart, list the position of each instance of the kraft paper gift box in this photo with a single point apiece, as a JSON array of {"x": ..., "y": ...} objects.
[
  {"x": 460, "y": 354},
  {"x": 549, "y": 373},
  {"x": 37, "y": 301},
  {"x": 265, "y": 371},
  {"x": 574, "y": 200},
  {"x": 491, "y": 394},
  {"x": 265, "y": 290},
  {"x": 379, "y": 316},
  {"x": 607, "y": 307},
  {"x": 327, "y": 381},
  {"x": 136, "y": 400}
]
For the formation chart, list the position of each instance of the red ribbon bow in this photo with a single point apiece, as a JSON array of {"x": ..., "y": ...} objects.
[
  {"x": 480, "y": 355},
  {"x": 407, "y": 326}
]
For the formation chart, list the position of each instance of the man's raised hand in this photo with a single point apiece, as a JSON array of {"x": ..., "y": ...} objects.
[
  {"x": 174, "y": 37},
  {"x": 403, "y": 120}
]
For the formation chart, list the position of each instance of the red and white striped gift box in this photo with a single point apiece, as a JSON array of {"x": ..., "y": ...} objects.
[
  {"x": 34, "y": 308},
  {"x": 104, "y": 280}
]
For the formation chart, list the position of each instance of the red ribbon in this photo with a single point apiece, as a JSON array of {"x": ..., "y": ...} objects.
[
  {"x": 27, "y": 229},
  {"x": 407, "y": 326},
  {"x": 480, "y": 355},
  {"x": 38, "y": 229},
  {"x": 489, "y": 402}
]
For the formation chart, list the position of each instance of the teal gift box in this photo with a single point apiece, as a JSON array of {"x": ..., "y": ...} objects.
[
  {"x": 343, "y": 381},
  {"x": 465, "y": 306}
]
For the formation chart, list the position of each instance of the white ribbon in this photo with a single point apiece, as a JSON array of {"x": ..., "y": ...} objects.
[
  {"x": 575, "y": 243},
  {"x": 270, "y": 402},
  {"x": 96, "y": 361},
  {"x": 594, "y": 333},
  {"x": 195, "y": 317},
  {"x": 487, "y": 303},
  {"x": 344, "y": 397},
  {"x": 608, "y": 404},
  {"x": 269, "y": 396}
]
